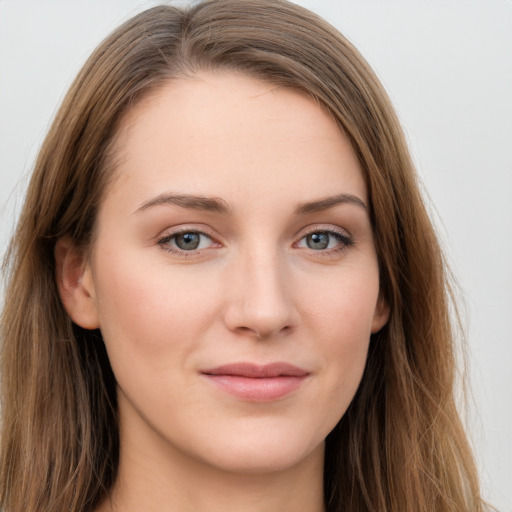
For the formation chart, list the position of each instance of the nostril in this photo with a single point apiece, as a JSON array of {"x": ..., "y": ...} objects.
[{"x": 265, "y": 334}]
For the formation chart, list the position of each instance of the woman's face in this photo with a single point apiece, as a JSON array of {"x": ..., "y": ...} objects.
[{"x": 233, "y": 276}]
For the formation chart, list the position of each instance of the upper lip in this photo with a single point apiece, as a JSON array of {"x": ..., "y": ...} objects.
[{"x": 255, "y": 371}]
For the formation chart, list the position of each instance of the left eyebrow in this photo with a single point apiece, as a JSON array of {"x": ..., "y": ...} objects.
[{"x": 329, "y": 202}]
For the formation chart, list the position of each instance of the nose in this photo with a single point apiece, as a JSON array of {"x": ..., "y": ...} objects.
[{"x": 260, "y": 302}]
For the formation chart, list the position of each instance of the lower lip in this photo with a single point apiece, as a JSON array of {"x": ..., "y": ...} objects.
[{"x": 264, "y": 389}]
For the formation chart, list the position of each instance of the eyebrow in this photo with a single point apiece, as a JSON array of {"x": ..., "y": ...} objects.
[
  {"x": 218, "y": 205},
  {"x": 209, "y": 204},
  {"x": 329, "y": 202}
]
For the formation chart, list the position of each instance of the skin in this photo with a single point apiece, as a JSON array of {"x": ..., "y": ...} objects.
[{"x": 253, "y": 291}]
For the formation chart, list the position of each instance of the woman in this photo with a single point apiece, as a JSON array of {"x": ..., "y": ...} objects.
[{"x": 224, "y": 279}]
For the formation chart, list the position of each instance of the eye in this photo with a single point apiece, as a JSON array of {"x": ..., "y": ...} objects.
[
  {"x": 186, "y": 241},
  {"x": 325, "y": 240}
]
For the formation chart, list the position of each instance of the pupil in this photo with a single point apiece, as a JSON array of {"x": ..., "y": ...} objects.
[
  {"x": 318, "y": 241},
  {"x": 187, "y": 241}
]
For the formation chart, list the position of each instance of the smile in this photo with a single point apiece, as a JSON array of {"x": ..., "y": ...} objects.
[{"x": 256, "y": 383}]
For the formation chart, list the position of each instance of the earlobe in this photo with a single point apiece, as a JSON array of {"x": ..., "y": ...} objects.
[
  {"x": 381, "y": 315},
  {"x": 75, "y": 283}
]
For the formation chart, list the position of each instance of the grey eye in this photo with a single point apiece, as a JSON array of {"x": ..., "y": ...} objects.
[
  {"x": 325, "y": 240},
  {"x": 318, "y": 241},
  {"x": 187, "y": 241}
]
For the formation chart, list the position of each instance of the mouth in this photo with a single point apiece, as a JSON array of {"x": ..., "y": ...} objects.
[{"x": 256, "y": 383}]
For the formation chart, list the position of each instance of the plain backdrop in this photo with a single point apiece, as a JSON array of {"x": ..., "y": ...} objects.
[{"x": 447, "y": 65}]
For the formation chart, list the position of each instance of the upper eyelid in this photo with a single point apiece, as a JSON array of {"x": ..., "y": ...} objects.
[
  {"x": 177, "y": 230},
  {"x": 174, "y": 234},
  {"x": 327, "y": 228}
]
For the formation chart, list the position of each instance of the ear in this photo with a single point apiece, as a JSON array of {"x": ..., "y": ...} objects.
[
  {"x": 381, "y": 314},
  {"x": 75, "y": 283}
]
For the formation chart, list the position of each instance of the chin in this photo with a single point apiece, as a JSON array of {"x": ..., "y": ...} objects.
[{"x": 263, "y": 452}]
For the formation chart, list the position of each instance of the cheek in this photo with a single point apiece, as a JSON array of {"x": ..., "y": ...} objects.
[
  {"x": 344, "y": 304},
  {"x": 342, "y": 374},
  {"x": 340, "y": 317},
  {"x": 143, "y": 308}
]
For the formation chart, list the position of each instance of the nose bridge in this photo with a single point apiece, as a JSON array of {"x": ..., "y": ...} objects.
[{"x": 262, "y": 304}]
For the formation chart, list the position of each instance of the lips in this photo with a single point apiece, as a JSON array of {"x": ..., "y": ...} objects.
[{"x": 257, "y": 383}]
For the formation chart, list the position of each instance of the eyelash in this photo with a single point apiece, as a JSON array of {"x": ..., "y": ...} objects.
[{"x": 345, "y": 241}]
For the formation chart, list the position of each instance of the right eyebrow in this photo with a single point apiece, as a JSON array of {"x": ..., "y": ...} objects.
[{"x": 210, "y": 204}]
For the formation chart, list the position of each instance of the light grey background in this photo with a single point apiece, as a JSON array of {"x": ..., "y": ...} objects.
[{"x": 447, "y": 65}]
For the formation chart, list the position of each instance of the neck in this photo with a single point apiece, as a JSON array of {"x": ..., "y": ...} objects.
[
  {"x": 184, "y": 485},
  {"x": 155, "y": 477}
]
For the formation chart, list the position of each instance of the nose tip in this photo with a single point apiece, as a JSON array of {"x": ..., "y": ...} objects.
[{"x": 261, "y": 305}]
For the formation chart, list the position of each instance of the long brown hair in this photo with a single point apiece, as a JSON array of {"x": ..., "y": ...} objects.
[{"x": 400, "y": 446}]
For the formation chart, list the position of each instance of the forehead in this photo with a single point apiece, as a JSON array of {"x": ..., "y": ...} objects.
[{"x": 226, "y": 134}]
